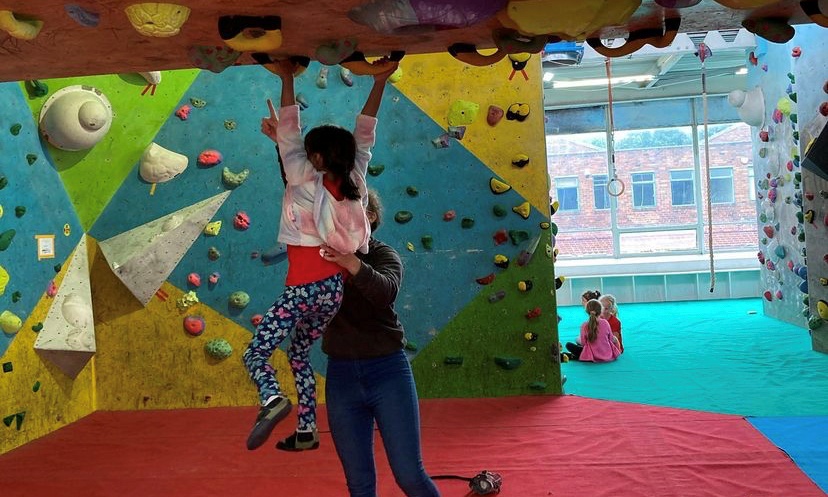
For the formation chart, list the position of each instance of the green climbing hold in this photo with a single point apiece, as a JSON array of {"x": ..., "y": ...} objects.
[
  {"x": 37, "y": 327},
  {"x": 8, "y": 419},
  {"x": 7, "y": 367},
  {"x": 16, "y": 296},
  {"x": 15, "y": 129},
  {"x": 427, "y": 241},
  {"x": 6, "y": 238},
  {"x": 4, "y": 182},
  {"x": 412, "y": 191},
  {"x": 792, "y": 96},
  {"x": 31, "y": 158},
  {"x": 197, "y": 102},
  {"x": 518, "y": 236},
  {"x": 508, "y": 362},
  {"x": 793, "y": 118},
  {"x": 57, "y": 267},
  {"x": 239, "y": 299},
  {"x": 814, "y": 322},
  {"x": 11, "y": 418},
  {"x": 799, "y": 216},
  {"x": 218, "y": 348},
  {"x": 37, "y": 88},
  {"x": 801, "y": 236},
  {"x": 453, "y": 360},
  {"x": 403, "y": 217},
  {"x": 409, "y": 345},
  {"x": 466, "y": 223},
  {"x": 376, "y": 169},
  {"x": 36, "y": 386},
  {"x": 19, "y": 211},
  {"x": 499, "y": 210},
  {"x": 537, "y": 385},
  {"x": 554, "y": 228}
]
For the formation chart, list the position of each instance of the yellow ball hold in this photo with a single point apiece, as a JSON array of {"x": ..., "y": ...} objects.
[{"x": 822, "y": 309}]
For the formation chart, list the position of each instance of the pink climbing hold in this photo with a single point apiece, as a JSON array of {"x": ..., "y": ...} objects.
[
  {"x": 449, "y": 215},
  {"x": 183, "y": 112},
  {"x": 256, "y": 319},
  {"x": 194, "y": 279},
  {"x": 768, "y": 295},
  {"x": 213, "y": 278},
  {"x": 241, "y": 221},
  {"x": 194, "y": 325},
  {"x": 52, "y": 289},
  {"x": 209, "y": 158},
  {"x": 779, "y": 294}
]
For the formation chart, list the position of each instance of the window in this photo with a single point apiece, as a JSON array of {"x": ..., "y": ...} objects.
[
  {"x": 721, "y": 185},
  {"x": 599, "y": 191},
  {"x": 643, "y": 189},
  {"x": 751, "y": 183},
  {"x": 567, "y": 192},
  {"x": 681, "y": 187}
]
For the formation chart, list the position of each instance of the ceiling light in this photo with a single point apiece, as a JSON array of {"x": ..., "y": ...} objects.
[
  {"x": 740, "y": 71},
  {"x": 547, "y": 76},
  {"x": 619, "y": 80}
]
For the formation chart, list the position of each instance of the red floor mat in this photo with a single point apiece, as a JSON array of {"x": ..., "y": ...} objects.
[{"x": 542, "y": 446}]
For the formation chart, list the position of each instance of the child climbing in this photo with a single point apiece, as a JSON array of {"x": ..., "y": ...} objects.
[
  {"x": 323, "y": 204},
  {"x": 595, "y": 343},
  {"x": 609, "y": 311}
]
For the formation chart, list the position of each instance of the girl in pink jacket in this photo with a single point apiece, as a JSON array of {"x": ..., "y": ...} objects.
[{"x": 596, "y": 343}]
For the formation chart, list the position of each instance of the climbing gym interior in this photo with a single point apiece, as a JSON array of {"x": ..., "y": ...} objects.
[{"x": 140, "y": 204}]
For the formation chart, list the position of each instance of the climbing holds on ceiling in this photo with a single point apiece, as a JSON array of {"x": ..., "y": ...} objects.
[{"x": 160, "y": 20}]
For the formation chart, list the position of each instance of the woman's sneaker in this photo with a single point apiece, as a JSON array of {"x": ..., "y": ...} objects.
[
  {"x": 268, "y": 417},
  {"x": 300, "y": 440}
]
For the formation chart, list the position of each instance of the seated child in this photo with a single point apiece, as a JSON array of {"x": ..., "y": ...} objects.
[
  {"x": 610, "y": 313},
  {"x": 596, "y": 342}
]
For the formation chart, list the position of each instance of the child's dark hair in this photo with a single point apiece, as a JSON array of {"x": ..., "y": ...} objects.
[
  {"x": 337, "y": 147},
  {"x": 591, "y": 295}
]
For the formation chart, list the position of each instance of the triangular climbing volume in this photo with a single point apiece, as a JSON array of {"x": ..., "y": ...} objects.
[
  {"x": 67, "y": 338},
  {"x": 144, "y": 257}
]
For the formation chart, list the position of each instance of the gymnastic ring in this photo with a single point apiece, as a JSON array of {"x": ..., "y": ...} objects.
[{"x": 619, "y": 192}]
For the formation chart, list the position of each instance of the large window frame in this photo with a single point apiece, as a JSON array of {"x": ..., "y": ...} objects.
[{"x": 579, "y": 131}]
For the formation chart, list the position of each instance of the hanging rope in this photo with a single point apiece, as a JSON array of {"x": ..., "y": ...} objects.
[
  {"x": 703, "y": 53},
  {"x": 615, "y": 186}
]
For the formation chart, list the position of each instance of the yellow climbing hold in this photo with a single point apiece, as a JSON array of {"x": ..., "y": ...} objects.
[
  {"x": 4, "y": 279},
  {"x": 523, "y": 210},
  {"x": 20, "y": 28},
  {"x": 498, "y": 186},
  {"x": 462, "y": 112},
  {"x": 822, "y": 309},
  {"x": 160, "y": 20},
  {"x": 570, "y": 19},
  {"x": 409, "y": 246},
  {"x": 212, "y": 229},
  {"x": 520, "y": 160},
  {"x": 10, "y": 323}
]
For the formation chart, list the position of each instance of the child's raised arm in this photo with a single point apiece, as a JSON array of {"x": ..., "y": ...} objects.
[{"x": 372, "y": 104}]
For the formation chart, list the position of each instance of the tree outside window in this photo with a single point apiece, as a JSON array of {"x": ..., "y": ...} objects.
[
  {"x": 721, "y": 185},
  {"x": 599, "y": 191},
  {"x": 643, "y": 188},
  {"x": 567, "y": 193},
  {"x": 682, "y": 189}
]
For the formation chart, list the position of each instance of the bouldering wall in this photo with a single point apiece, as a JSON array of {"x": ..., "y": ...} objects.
[
  {"x": 459, "y": 166},
  {"x": 790, "y": 76}
]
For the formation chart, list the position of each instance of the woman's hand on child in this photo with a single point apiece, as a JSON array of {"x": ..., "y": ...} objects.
[
  {"x": 348, "y": 261},
  {"x": 270, "y": 123}
]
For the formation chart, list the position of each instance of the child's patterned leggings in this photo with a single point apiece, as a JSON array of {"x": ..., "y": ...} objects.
[{"x": 304, "y": 310}]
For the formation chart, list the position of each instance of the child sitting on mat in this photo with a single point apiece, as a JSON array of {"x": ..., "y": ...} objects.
[
  {"x": 596, "y": 343},
  {"x": 610, "y": 313}
]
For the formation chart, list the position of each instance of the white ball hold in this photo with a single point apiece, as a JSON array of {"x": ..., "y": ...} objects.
[{"x": 76, "y": 118}]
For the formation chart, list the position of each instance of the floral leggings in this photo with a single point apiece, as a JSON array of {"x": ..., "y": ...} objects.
[{"x": 304, "y": 310}]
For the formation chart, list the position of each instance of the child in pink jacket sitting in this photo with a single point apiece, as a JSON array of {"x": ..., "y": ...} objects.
[{"x": 596, "y": 343}]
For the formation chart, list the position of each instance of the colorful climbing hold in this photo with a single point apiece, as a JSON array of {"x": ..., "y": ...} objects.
[
  {"x": 256, "y": 319},
  {"x": 499, "y": 210},
  {"x": 525, "y": 285},
  {"x": 497, "y": 296},
  {"x": 486, "y": 280},
  {"x": 6, "y": 238},
  {"x": 520, "y": 160},
  {"x": 194, "y": 325},
  {"x": 500, "y": 236},
  {"x": 209, "y": 158},
  {"x": 498, "y": 186},
  {"x": 239, "y": 299},
  {"x": 523, "y": 210},
  {"x": 213, "y": 228},
  {"x": 517, "y": 112},
  {"x": 495, "y": 114},
  {"x": 508, "y": 362},
  {"x": 518, "y": 236},
  {"x": 427, "y": 241},
  {"x": 467, "y": 223},
  {"x": 19, "y": 211},
  {"x": 403, "y": 217},
  {"x": 213, "y": 253},
  {"x": 376, "y": 169},
  {"x": 15, "y": 129},
  {"x": 218, "y": 348},
  {"x": 449, "y": 215},
  {"x": 8, "y": 367},
  {"x": 412, "y": 191},
  {"x": 501, "y": 261}
]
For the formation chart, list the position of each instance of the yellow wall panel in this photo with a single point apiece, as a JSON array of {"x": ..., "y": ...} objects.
[
  {"x": 435, "y": 81},
  {"x": 146, "y": 360},
  {"x": 59, "y": 401}
]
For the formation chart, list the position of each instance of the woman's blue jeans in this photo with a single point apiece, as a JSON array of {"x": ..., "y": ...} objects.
[{"x": 358, "y": 392}]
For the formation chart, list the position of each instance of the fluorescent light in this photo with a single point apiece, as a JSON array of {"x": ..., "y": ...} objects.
[
  {"x": 619, "y": 80},
  {"x": 740, "y": 71},
  {"x": 547, "y": 76}
]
